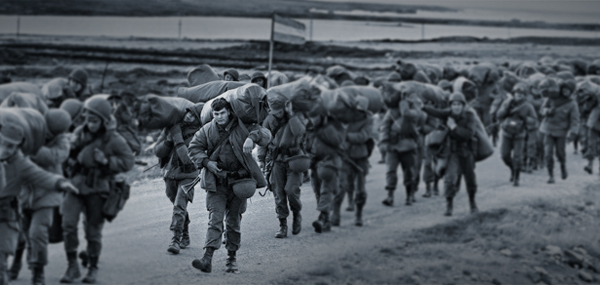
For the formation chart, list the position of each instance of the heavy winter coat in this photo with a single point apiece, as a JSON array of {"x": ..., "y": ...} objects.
[
  {"x": 206, "y": 140},
  {"x": 287, "y": 137},
  {"x": 561, "y": 117},
  {"x": 522, "y": 111},
  {"x": 91, "y": 177},
  {"x": 400, "y": 128},
  {"x": 50, "y": 158},
  {"x": 173, "y": 157},
  {"x": 357, "y": 135},
  {"x": 462, "y": 138},
  {"x": 19, "y": 170},
  {"x": 325, "y": 138}
]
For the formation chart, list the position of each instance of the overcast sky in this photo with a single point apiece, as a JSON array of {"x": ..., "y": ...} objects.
[{"x": 560, "y": 6}]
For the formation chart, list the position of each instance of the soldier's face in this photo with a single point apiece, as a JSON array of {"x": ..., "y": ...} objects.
[
  {"x": 228, "y": 77},
  {"x": 93, "y": 122},
  {"x": 189, "y": 118},
  {"x": 259, "y": 82},
  {"x": 457, "y": 107},
  {"x": 7, "y": 149},
  {"x": 221, "y": 116},
  {"x": 74, "y": 85},
  {"x": 519, "y": 94}
]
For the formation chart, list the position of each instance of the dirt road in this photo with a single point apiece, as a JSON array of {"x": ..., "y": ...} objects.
[{"x": 384, "y": 250}]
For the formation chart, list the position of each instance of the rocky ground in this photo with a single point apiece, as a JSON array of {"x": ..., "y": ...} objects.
[{"x": 530, "y": 234}]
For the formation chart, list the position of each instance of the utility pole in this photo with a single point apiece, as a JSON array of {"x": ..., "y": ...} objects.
[
  {"x": 179, "y": 34},
  {"x": 311, "y": 28},
  {"x": 18, "y": 26}
]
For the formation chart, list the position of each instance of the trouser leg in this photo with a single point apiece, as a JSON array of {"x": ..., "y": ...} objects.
[
  {"x": 452, "y": 176},
  {"x": 93, "y": 224},
  {"x": 329, "y": 189},
  {"x": 392, "y": 161},
  {"x": 278, "y": 181},
  {"x": 72, "y": 207},
  {"x": 506, "y": 148},
  {"x": 549, "y": 147},
  {"x": 216, "y": 205},
  {"x": 233, "y": 220},
  {"x": 361, "y": 192},
  {"x": 315, "y": 180},
  {"x": 180, "y": 204},
  {"x": 38, "y": 237}
]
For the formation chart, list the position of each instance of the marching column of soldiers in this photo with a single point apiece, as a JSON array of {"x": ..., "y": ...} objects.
[{"x": 435, "y": 122}]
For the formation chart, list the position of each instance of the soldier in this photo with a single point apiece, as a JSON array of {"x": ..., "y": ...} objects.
[
  {"x": 515, "y": 114},
  {"x": 355, "y": 167},
  {"x": 75, "y": 109},
  {"x": 589, "y": 133},
  {"x": 231, "y": 75},
  {"x": 179, "y": 170},
  {"x": 399, "y": 139},
  {"x": 259, "y": 79},
  {"x": 76, "y": 86},
  {"x": 38, "y": 204},
  {"x": 223, "y": 148},
  {"x": 15, "y": 171},
  {"x": 98, "y": 153},
  {"x": 287, "y": 128},
  {"x": 461, "y": 161},
  {"x": 429, "y": 176},
  {"x": 561, "y": 123},
  {"x": 325, "y": 136}
]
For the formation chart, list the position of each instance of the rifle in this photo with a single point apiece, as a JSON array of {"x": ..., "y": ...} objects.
[
  {"x": 345, "y": 158},
  {"x": 268, "y": 170},
  {"x": 145, "y": 170},
  {"x": 188, "y": 187}
]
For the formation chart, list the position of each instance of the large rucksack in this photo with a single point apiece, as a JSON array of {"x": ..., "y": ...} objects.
[
  {"x": 158, "y": 112},
  {"x": 207, "y": 91},
  {"x": 33, "y": 124},
  {"x": 249, "y": 103}
]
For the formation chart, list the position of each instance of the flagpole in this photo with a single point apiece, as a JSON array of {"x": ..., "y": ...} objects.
[{"x": 271, "y": 51}]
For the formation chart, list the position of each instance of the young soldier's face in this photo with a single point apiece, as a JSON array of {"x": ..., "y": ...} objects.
[
  {"x": 519, "y": 94},
  {"x": 457, "y": 107},
  {"x": 74, "y": 85},
  {"x": 7, "y": 149},
  {"x": 228, "y": 77},
  {"x": 93, "y": 122},
  {"x": 259, "y": 82},
  {"x": 189, "y": 118},
  {"x": 221, "y": 116}
]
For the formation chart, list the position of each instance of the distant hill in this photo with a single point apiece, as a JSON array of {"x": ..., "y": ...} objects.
[{"x": 247, "y": 8}]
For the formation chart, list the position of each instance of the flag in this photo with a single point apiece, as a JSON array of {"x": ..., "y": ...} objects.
[{"x": 289, "y": 31}]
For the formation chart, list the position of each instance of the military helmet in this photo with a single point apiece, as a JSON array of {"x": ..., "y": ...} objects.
[{"x": 99, "y": 107}]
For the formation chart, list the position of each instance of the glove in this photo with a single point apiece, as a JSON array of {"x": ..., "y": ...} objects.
[{"x": 175, "y": 132}]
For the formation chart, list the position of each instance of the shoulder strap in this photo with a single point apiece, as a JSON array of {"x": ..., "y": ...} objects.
[{"x": 220, "y": 142}]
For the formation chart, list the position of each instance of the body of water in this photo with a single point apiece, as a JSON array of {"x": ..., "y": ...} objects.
[{"x": 254, "y": 29}]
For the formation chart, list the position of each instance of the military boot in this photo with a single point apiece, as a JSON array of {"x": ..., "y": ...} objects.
[
  {"x": 408, "y": 196},
  {"x": 297, "y": 223},
  {"x": 512, "y": 174},
  {"x": 516, "y": 180},
  {"x": 534, "y": 164},
  {"x": 335, "y": 215},
  {"x": 84, "y": 258},
  {"x": 389, "y": 201},
  {"x": 185, "y": 237},
  {"x": 436, "y": 189},
  {"x": 551, "y": 174},
  {"x": 174, "y": 247},
  {"x": 205, "y": 264},
  {"x": 282, "y": 229},
  {"x": 427, "y": 190},
  {"x": 318, "y": 224},
  {"x": 413, "y": 192},
  {"x": 563, "y": 171},
  {"x": 37, "y": 275},
  {"x": 589, "y": 168},
  {"x": 72, "y": 269},
  {"x": 472, "y": 204},
  {"x": 92, "y": 273},
  {"x": 13, "y": 272},
  {"x": 326, "y": 222},
  {"x": 448, "y": 207},
  {"x": 350, "y": 207},
  {"x": 231, "y": 263},
  {"x": 358, "y": 222}
]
